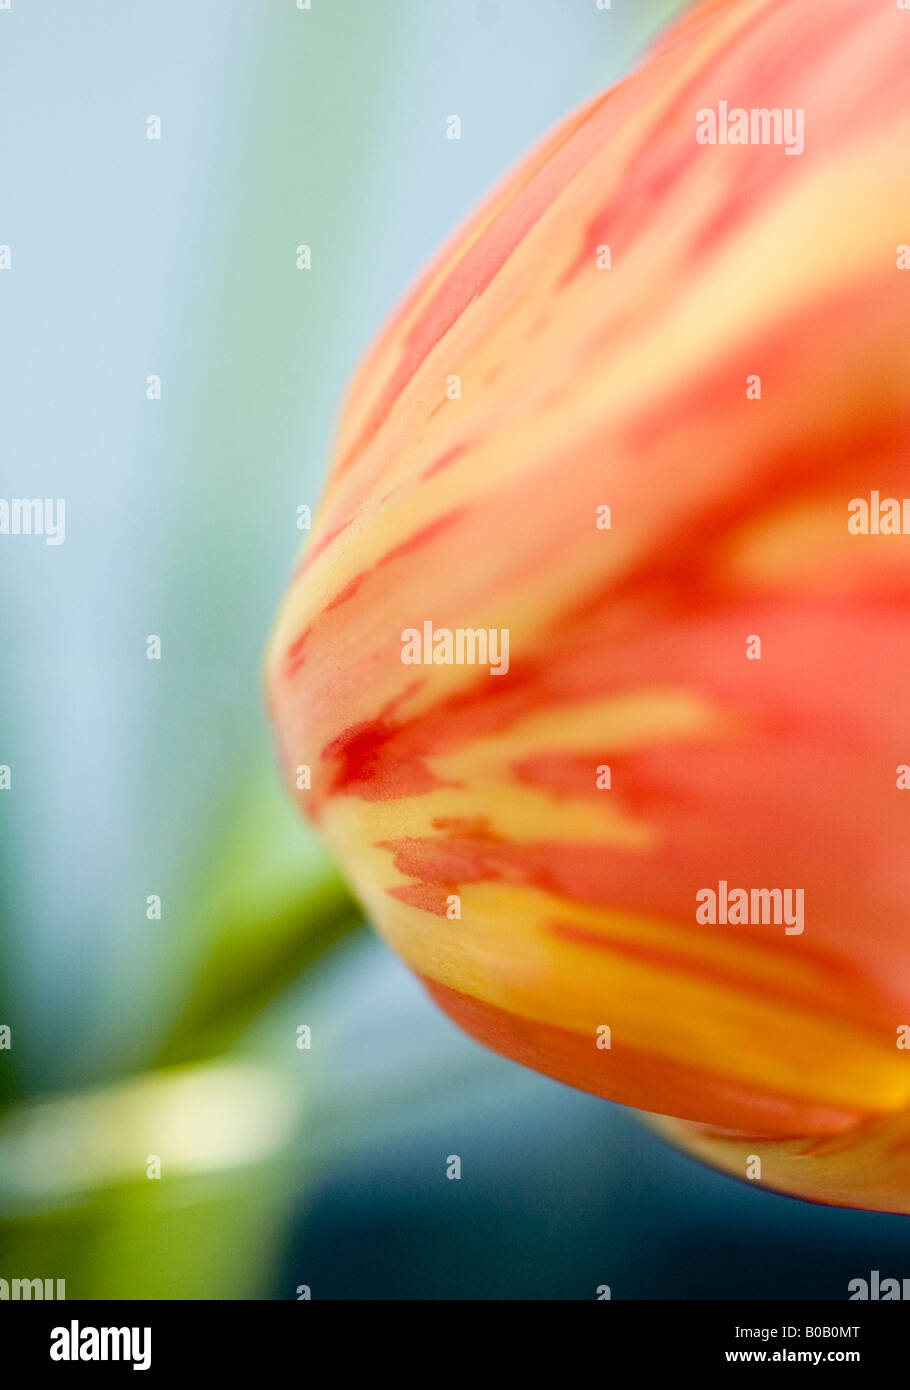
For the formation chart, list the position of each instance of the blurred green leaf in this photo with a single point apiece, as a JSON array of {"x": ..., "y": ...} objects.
[{"x": 81, "y": 1202}]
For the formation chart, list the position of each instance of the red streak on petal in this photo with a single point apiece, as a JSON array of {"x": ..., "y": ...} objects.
[
  {"x": 322, "y": 544},
  {"x": 425, "y": 536},
  {"x": 562, "y": 774},
  {"x": 294, "y": 658},
  {"x": 445, "y": 459}
]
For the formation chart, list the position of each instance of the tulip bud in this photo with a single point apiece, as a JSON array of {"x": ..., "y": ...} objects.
[{"x": 590, "y": 640}]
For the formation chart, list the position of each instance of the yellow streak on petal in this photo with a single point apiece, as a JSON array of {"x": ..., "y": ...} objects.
[
  {"x": 617, "y": 724},
  {"x": 807, "y": 549},
  {"x": 868, "y": 1166},
  {"x": 521, "y": 814}
]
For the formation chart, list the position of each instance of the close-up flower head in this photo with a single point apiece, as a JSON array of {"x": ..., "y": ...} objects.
[{"x": 597, "y": 659}]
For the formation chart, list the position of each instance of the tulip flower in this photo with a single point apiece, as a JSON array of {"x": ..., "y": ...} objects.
[{"x": 621, "y": 434}]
